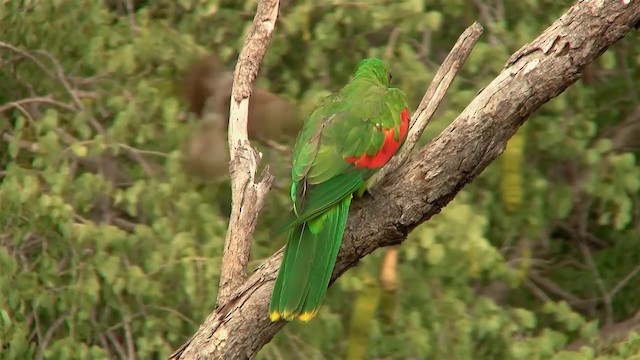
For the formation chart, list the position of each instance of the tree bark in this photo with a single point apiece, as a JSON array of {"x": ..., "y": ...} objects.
[{"x": 431, "y": 178}]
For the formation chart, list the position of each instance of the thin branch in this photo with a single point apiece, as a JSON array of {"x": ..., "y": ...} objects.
[
  {"x": 622, "y": 283},
  {"x": 135, "y": 30},
  {"x": 113, "y": 339},
  {"x": 23, "y": 144},
  {"x": 391, "y": 44},
  {"x": 49, "y": 335},
  {"x": 27, "y": 55},
  {"x": 554, "y": 288},
  {"x": 62, "y": 77},
  {"x": 131, "y": 349},
  {"x": 536, "y": 291},
  {"x": 606, "y": 297},
  {"x": 433, "y": 97},
  {"x": 37, "y": 100}
]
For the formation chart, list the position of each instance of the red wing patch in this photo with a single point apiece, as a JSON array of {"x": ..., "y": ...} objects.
[{"x": 389, "y": 147}]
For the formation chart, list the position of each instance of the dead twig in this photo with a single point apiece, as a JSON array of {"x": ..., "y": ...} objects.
[
  {"x": 43, "y": 342},
  {"x": 62, "y": 77},
  {"x": 606, "y": 297},
  {"x": 36, "y": 100},
  {"x": 554, "y": 288},
  {"x": 131, "y": 349},
  {"x": 433, "y": 97},
  {"x": 23, "y": 144},
  {"x": 26, "y": 54},
  {"x": 622, "y": 283}
]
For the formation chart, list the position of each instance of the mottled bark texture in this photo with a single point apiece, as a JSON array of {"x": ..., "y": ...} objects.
[{"x": 431, "y": 177}]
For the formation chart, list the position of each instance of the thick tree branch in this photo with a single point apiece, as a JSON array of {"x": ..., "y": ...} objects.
[
  {"x": 538, "y": 72},
  {"x": 248, "y": 196}
]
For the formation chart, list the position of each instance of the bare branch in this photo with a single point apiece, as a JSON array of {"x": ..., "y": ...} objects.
[
  {"x": 554, "y": 288},
  {"x": 622, "y": 283},
  {"x": 247, "y": 195},
  {"x": 37, "y": 100},
  {"x": 432, "y": 177},
  {"x": 433, "y": 97},
  {"x": 606, "y": 296}
]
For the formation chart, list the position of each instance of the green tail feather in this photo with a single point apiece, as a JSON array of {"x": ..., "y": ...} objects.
[{"x": 307, "y": 265}]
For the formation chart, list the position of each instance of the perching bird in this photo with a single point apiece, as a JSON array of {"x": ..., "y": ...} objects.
[{"x": 346, "y": 139}]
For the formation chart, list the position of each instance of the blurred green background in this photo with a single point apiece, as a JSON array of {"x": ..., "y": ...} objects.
[{"x": 110, "y": 250}]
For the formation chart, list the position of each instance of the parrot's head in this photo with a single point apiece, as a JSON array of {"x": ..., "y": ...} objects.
[{"x": 373, "y": 67}]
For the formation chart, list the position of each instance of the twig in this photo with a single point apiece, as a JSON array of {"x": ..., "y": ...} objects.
[
  {"x": 131, "y": 350},
  {"x": 248, "y": 196},
  {"x": 27, "y": 55},
  {"x": 24, "y": 112},
  {"x": 391, "y": 44},
  {"x": 622, "y": 283},
  {"x": 554, "y": 288},
  {"x": 132, "y": 17},
  {"x": 272, "y": 144},
  {"x": 142, "y": 151},
  {"x": 23, "y": 144},
  {"x": 433, "y": 97},
  {"x": 116, "y": 344},
  {"x": 47, "y": 337},
  {"x": 42, "y": 100},
  {"x": 60, "y": 75},
  {"x": 606, "y": 298},
  {"x": 536, "y": 291}
]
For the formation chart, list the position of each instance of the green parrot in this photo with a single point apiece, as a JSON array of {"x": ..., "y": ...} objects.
[{"x": 348, "y": 137}]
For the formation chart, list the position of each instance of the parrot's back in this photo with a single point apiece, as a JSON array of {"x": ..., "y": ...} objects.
[{"x": 346, "y": 139}]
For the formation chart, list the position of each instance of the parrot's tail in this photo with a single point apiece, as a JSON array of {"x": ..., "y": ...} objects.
[{"x": 309, "y": 258}]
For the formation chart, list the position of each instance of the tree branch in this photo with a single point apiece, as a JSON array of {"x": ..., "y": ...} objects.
[
  {"x": 431, "y": 178},
  {"x": 248, "y": 196}
]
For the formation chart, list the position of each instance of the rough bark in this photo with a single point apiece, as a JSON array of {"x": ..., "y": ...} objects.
[{"x": 536, "y": 73}]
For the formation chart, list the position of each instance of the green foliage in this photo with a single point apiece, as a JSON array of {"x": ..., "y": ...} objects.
[{"x": 109, "y": 247}]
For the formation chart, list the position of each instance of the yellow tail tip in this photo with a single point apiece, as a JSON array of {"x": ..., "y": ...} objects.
[
  {"x": 288, "y": 316},
  {"x": 307, "y": 316},
  {"x": 274, "y": 316}
]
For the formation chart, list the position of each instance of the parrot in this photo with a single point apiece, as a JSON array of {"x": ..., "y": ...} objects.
[{"x": 349, "y": 136}]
